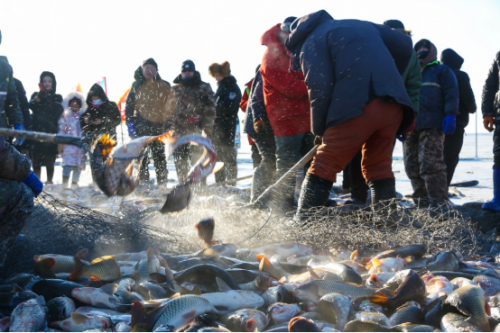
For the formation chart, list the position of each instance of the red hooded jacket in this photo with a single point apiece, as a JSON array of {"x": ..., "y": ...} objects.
[{"x": 285, "y": 93}]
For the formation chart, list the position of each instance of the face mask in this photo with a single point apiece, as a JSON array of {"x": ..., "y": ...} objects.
[
  {"x": 423, "y": 54},
  {"x": 97, "y": 102}
]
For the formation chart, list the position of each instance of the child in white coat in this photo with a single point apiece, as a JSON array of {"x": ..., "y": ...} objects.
[{"x": 74, "y": 158}]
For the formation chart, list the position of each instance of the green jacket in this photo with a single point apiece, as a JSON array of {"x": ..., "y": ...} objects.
[
  {"x": 412, "y": 78},
  {"x": 10, "y": 112}
]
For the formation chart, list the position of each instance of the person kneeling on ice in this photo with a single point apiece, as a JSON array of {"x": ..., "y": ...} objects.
[
  {"x": 73, "y": 157},
  {"x": 358, "y": 99},
  {"x": 491, "y": 116},
  {"x": 18, "y": 186}
]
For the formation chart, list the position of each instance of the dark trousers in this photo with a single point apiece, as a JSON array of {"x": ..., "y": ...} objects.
[
  {"x": 256, "y": 158},
  {"x": 356, "y": 181},
  {"x": 226, "y": 154},
  {"x": 496, "y": 145},
  {"x": 48, "y": 160},
  {"x": 266, "y": 146},
  {"x": 452, "y": 146},
  {"x": 157, "y": 149}
]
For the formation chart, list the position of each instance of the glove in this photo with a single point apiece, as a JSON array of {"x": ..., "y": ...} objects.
[
  {"x": 259, "y": 126},
  {"x": 318, "y": 140},
  {"x": 18, "y": 141},
  {"x": 449, "y": 124},
  {"x": 34, "y": 183},
  {"x": 400, "y": 138},
  {"x": 488, "y": 123},
  {"x": 131, "y": 130}
]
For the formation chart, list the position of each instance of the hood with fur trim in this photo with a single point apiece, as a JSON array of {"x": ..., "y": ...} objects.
[
  {"x": 72, "y": 95},
  {"x": 221, "y": 69}
]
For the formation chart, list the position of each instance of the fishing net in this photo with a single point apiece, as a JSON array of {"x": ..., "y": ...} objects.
[{"x": 57, "y": 226}]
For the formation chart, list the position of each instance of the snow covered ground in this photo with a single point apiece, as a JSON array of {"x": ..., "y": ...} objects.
[{"x": 469, "y": 168}]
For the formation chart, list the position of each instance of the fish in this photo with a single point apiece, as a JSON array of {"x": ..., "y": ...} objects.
[
  {"x": 122, "y": 327},
  {"x": 314, "y": 290},
  {"x": 408, "y": 286},
  {"x": 445, "y": 261},
  {"x": 415, "y": 250},
  {"x": 376, "y": 317},
  {"x": 247, "y": 255},
  {"x": 275, "y": 272},
  {"x": 246, "y": 320},
  {"x": 282, "y": 312},
  {"x": 60, "y": 308},
  {"x": 366, "y": 326},
  {"x": 224, "y": 249},
  {"x": 470, "y": 301},
  {"x": 387, "y": 265},
  {"x": 173, "y": 315},
  {"x": 277, "y": 294},
  {"x": 336, "y": 308},
  {"x": 462, "y": 282},
  {"x": 147, "y": 266},
  {"x": 96, "y": 297},
  {"x": 29, "y": 316},
  {"x": 368, "y": 306},
  {"x": 104, "y": 268},
  {"x": 489, "y": 284},
  {"x": 347, "y": 274},
  {"x": 180, "y": 196},
  {"x": 206, "y": 272},
  {"x": 79, "y": 323},
  {"x": 56, "y": 263},
  {"x": 229, "y": 300},
  {"x": 379, "y": 279},
  {"x": 151, "y": 291},
  {"x": 52, "y": 288},
  {"x": 123, "y": 289},
  {"x": 438, "y": 286},
  {"x": 453, "y": 322},
  {"x": 301, "y": 324},
  {"x": 286, "y": 249},
  {"x": 206, "y": 231},
  {"x": 408, "y": 312}
]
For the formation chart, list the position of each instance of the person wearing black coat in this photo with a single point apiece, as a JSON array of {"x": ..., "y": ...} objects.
[
  {"x": 490, "y": 107},
  {"x": 358, "y": 100},
  {"x": 25, "y": 109},
  {"x": 453, "y": 142},
  {"x": 102, "y": 115},
  {"x": 227, "y": 103},
  {"x": 47, "y": 109}
]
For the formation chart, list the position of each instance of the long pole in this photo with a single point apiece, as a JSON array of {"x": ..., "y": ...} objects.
[{"x": 44, "y": 137}]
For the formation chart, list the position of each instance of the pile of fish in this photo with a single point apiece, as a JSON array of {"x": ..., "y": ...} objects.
[{"x": 274, "y": 288}]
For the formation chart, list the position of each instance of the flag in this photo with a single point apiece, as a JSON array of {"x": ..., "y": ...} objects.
[
  {"x": 121, "y": 101},
  {"x": 103, "y": 84},
  {"x": 79, "y": 88}
]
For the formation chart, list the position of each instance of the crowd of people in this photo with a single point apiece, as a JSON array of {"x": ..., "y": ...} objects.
[{"x": 352, "y": 87}]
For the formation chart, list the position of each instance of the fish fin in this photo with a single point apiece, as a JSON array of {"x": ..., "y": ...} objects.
[
  {"x": 135, "y": 276},
  {"x": 78, "y": 271},
  {"x": 138, "y": 316},
  {"x": 157, "y": 277},
  {"x": 223, "y": 286},
  {"x": 487, "y": 308},
  {"x": 175, "y": 295},
  {"x": 331, "y": 257},
  {"x": 109, "y": 288},
  {"x": 354, "y": 284},
  {"x": 82, "y": 253},
  {"x": 207, "y": 161},
  {"x": 166, "y": 137},
  {"x": 313, "y": 273},
  {"x": 218, "y": 167},
  {"x": 44, "y": 267},
  {"x": 268, "y": 267},
  {"x": 78, "y": 318},
  {"x": 196, "y": 290},
  {"x": 354, "y": 255},
  {"x": 150, "y": 254},
  {"x": 181, "y": 290},
  {"x": 101, "y": 259},
  {"x": 94, "y": 278},
  {"x": 376, "y": 262},
  {"x": 408, "y": 259},
  {"x": 379, "y": 297},
  {"x": 261, "y": 268}
]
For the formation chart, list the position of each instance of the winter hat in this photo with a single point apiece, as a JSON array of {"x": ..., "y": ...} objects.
[
  {"x": 188, "y": 66},
  {"x": 150, "y": 61},
  {"x": 285, "y": 26},
  {"x": 426, "y": 57},
  {"x": 398, "y": 25},
  {"x": 74, "y": 95},
  {"x": 219, "y": 69}
]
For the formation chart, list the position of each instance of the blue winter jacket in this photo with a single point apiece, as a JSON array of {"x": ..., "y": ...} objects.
[
  {"x": 348, "y": 63},
  {"x": 439, "y": 96},
  {"x": 256, "y": 109}
]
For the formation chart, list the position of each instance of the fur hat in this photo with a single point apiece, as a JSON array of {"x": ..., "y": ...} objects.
[
  {"x": 70, "y": 96},
  {"x": 219, "y": 69}
]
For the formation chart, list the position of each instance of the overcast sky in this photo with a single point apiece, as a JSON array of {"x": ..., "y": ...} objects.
[{"x": 82, "y": 41}]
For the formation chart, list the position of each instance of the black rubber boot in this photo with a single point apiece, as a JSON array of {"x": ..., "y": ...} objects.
[
  {"x": 314, "y": 193},
  {"x": 65, "y": 180},
  {"x": 260, "y": 182},
  {"x": 383, "y": 190}
]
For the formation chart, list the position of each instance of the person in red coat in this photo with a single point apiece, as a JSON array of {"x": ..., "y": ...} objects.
[{"x": 287, "y": 104}]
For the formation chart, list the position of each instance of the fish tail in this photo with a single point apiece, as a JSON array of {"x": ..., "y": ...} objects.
[
  {"x": 78, "y": 271},
  {"x": 379, "y": 298}
]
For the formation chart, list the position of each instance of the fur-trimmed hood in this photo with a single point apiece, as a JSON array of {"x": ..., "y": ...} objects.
[
  {"x": 221, "y": 69},
  {"x": 69, "y": 97}
]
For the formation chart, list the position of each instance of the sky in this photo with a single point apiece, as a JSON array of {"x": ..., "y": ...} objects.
[{"x": 83, "y": 41}]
